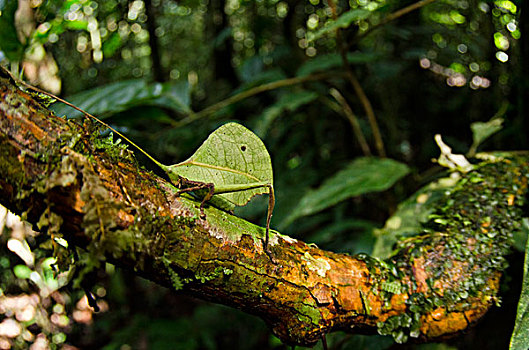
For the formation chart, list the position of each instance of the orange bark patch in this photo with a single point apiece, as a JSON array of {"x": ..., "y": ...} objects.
[
  {"x": 125, "y": 217},
  {"x": 79, "y": 203},
  {"x": 322, "y": 293},
  {"x": 420, "y": 275}
]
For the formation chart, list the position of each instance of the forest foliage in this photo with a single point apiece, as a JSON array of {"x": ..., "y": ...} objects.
[{"x": 346, "y": 95}]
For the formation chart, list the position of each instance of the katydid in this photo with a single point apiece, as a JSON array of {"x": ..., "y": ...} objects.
[{"x": 228, "y": 169}]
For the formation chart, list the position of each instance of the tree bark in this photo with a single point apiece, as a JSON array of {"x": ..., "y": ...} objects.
[{"x": 437, "y": 284}]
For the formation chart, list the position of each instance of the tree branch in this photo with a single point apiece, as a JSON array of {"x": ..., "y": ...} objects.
[
  {"x": 206, "y": 112},
  {"x": 107, "y": 204},
  {"x": 393, "y": 16},
  {"x": 357, "y": 87},
  {"x": 353, "y": 120}
]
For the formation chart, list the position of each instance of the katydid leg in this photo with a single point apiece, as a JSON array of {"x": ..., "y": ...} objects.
[{"x": 196, "y": 186}]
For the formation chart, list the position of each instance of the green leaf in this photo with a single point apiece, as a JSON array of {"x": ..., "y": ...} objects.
[
  {"x": 482, "y": 131},
  {"x": 343, "y": 21},
  {"x": 117, "y": 97},
  {"x": 410, "y": 215},
  {"x": 112, "y": 44},
  {"x": 520, "y": 235},
  {"x": 363, "y": 175},
  {"x": 520, "y": 336},
  {"x": 231, "y": 157},
  {"x": 352, "y": 236},
  {"x": 287, "y": 102},
  {"x": 76, "y": 25},
  {"x": 9, "y": 44},
  {"x": 174, "y": 95},
  {"x": 261, "y": 78},
  {"x": 22, "y": 271},
  {"x": 333, "y": 60}
]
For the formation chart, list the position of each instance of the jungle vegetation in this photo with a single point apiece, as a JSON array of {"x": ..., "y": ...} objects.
[{"x": 347, "y": 97}]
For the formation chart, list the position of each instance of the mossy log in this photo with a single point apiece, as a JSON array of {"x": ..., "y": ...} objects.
[{"x": 61, "y": 173}]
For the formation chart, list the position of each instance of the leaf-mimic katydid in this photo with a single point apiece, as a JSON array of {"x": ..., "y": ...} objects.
[{"x": 227, "y": 170}]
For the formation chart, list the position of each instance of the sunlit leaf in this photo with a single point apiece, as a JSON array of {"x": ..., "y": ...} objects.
[
  {"x": 117, "y": 97},
  {"x": 451, "y": 160},
  {"x": 76, "y": 25},
  {"x": 507, "y": 5},
  {"x": 333, "y": 60},
  {"x": 231, "y": 155},
  {"x": 344, "y": 21},
  {"x": 22, "y": 271},
  {"x": 112, "y": 44},
  {"x": 520, "y": 336},
  {"x": 363, "y": 175}
]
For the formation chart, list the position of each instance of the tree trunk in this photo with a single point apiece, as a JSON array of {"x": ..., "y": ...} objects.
[{"x": 437, "y": 284}]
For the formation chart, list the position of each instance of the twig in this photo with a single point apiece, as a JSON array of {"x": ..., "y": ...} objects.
[
  {"x": 368, "y": 108},
  {"x": 324, "y": 342},
  {"x": 393, "y": 16},
  {"x": 251, "y": 92},
  {"x": 366, "y": 104},
  {"x": 351, "y": 117}
]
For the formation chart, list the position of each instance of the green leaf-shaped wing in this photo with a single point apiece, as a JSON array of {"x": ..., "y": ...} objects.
[{"x": 234, "y": 159}]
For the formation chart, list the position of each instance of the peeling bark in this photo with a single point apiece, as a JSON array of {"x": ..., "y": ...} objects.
[{"x": 436, "y": 285}]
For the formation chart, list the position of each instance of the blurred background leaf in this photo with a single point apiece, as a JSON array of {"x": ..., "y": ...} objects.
[
  {"x": 363, "y": 175},
  {"x": 10, "y": 45},
  {"x": 105, "y": 101}
]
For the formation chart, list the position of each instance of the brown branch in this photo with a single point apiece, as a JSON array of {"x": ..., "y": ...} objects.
[
  {"x": 368, "y": 108},
  {"x": 251, "y": 92},
  {"x": 353, "y": 120},
  {"x": 393, "y": 16},
  {"x": 359, "y": 91},
  {"x": 50, "y": 164}
]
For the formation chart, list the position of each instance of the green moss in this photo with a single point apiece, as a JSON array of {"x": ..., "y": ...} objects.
[
  {"x": 14, "y": 105},
  {"x": 401, "y": 327},
  {"x": 365, "y": 304},
  {"x": 177, "y": 282},
  {"x": 309, "y": 313},
  {"x": 41, "y": 98},
  {"x": 115, "y": 149},
  {"x": 9, "y": 166},
  {"x": 478, "y": 211}
]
